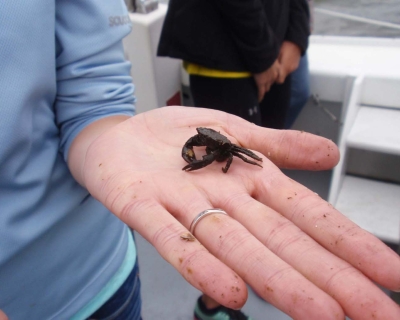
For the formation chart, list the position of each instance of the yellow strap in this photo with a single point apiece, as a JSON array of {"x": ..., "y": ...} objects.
[{"x": 195, "y": 69}]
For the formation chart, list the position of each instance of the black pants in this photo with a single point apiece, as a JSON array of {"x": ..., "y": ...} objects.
[
  {"x": 275, "y": 105},
  {"x": 239, "y": 97}
]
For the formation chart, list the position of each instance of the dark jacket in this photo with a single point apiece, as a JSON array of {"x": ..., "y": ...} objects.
[{"x": 233, "y": 35}]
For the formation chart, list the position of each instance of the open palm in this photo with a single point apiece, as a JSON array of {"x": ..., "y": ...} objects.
[{"x": 293, "y": 248}]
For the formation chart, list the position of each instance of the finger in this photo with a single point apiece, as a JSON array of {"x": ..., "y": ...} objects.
[
  {"x": 278, "y": 73},
  {"x": 281, "y": 74},
  {"x": 128, "y": 198},
  {"x": 261, "y": 93},
  {"x": 281, "y": 78},
  {"x": 286, "y": 148},
  {"x": 193, "y": 261},
  {"x": 330, "y": 228},
  {"x": 230, "y": 242},
  {"x": 272, "y": 278},
  {"x": 333, "y": 275},
  {"x": 268, "y": 86}
]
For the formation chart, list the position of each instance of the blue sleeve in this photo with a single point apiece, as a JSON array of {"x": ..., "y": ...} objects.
[{"x": 93, "y": 77}]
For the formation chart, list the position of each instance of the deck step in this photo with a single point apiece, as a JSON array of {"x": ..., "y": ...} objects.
[
  {"x": 373, "y": 205},
  {"x": 376, "y": 129}
]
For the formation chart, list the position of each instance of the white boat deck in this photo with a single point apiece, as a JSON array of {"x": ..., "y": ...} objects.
[{"x": 364, "y": 75}]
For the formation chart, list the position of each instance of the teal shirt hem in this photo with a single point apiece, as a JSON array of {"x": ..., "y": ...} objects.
[{"x": 113, "y": 285}]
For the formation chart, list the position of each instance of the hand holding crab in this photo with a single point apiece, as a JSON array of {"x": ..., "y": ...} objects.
[
  {"x": 218, "y": 147},
  {"x": 278, "y": 236}
]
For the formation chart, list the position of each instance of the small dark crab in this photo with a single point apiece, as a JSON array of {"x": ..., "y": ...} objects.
[{"x": 218, "y": 148}]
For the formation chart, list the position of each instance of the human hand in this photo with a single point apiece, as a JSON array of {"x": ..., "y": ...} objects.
[
  {"x": 293, "y": 248},
  {"x": 289, "y": 58},
  {"x": 266, "y": 79},
  {"x": 3, "y": 316}
]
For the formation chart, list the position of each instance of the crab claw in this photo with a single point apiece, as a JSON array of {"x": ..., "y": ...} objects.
[
  {"x": 188, "y": 154},
  {"x": 187, "y": 150},
  {"x": 198, "y": 164}
]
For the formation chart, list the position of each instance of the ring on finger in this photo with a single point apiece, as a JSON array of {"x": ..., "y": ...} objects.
[{"x": 203, "y": 214}]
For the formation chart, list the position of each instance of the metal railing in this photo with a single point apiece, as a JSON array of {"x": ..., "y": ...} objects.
[{"x": 357, "y": 18}]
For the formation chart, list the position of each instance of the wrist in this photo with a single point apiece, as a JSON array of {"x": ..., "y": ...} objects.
[{"x": 83, "y": 141}]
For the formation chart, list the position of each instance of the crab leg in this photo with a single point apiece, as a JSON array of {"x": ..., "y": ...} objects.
[
  {"x": 228, "y": 164},
  {"x": 247, "y": 152},
  {"x": 237, "y": 154}
]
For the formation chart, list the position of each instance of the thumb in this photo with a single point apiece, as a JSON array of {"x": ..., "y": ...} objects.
[
  {"x": 261, "y": 93},
  {"x": 281, "y": 74}
]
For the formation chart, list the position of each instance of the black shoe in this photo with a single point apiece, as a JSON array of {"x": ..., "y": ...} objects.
[{"x": 219, "y": 313}]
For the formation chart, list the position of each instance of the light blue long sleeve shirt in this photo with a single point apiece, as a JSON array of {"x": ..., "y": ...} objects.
[{"x": 61, "y": 68}]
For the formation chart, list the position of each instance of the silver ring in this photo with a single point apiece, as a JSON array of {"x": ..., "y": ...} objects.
[{"x": 203, "y": 214}]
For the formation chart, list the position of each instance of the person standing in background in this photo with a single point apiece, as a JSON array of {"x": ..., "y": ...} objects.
[
  {"x": 300, "y": 88},
  {"x": 237, "y": 51}
]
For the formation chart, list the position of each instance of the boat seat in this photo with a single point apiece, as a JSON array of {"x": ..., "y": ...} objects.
[
  {"x": 362, "y": 76},
  {"x": 376, "y": 129},
  {"x": 371, "y": 197}
]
